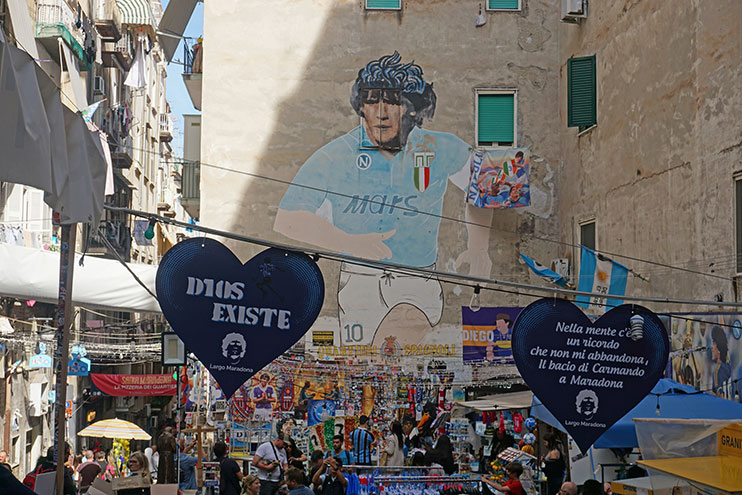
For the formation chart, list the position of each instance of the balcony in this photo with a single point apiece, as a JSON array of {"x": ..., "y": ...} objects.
[
  {"x": 108, "y": 20},
  {"x": 122, "y": 152},
  {"x": 192, "y": 57},
  {"x": 190, "y": 197},
  {"x": 166, "y": 128},
  {"x": 119, "y": 54},
  {"x": 55, "y": 19},
  {"x": 118, "y": 236}
]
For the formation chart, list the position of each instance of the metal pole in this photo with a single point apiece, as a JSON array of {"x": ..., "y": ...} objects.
[{"x": 61, "y": 355}]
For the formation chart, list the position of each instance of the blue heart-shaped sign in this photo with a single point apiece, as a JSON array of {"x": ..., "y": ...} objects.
[
  {"x": 237, "y": 318},
  {"x": 588, "y": 374}
]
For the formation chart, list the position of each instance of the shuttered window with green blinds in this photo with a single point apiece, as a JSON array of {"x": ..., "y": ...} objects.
[
  {"x": 581, "y": 92},
  {"x": 496, "y": 119},
  {"x": 503, "y": 4},
  {"x": 384, "y": 4}
]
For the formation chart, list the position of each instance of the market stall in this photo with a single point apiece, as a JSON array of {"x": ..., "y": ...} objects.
[{"x": 704, "y": 455}]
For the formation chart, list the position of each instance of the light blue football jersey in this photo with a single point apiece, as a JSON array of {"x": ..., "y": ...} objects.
[{"x": 379, "y": 194}]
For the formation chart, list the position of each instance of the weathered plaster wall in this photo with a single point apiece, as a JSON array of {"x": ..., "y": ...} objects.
[
  {"x": 276, "y": 86},
  {"x": 657, "y": 171}
]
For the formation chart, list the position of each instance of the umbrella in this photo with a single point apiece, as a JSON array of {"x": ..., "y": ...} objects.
[{"x": 115, "y": 428}]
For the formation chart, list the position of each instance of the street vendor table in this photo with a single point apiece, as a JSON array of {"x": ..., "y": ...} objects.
[{"x": 718, "y": 472}]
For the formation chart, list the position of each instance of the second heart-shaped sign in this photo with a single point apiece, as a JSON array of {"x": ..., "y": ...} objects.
[
  {"x": 588, "y": 374},
  {"x": 237, "y": 318}
]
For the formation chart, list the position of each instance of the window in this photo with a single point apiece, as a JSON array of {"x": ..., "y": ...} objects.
[
  {"x": 384, "y": 4},
  {"x": 581, "y": 93},
  {"x": 503, "y": 4},
  {"x": 587, "y": 235},
  {"x": 738, "y": 220},
  {"x": 495, "y": 114}
]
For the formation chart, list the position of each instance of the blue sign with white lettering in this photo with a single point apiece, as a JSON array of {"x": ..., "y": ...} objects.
[
  {"x": 589, "y": 374},
  {"x": 237, "y": 318}
]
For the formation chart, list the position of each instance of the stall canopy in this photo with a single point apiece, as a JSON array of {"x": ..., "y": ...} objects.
[
  {"x": 28, "y": 273},
  {"x": 675, "y": 401},
  {"x": 500, "y": 402}
]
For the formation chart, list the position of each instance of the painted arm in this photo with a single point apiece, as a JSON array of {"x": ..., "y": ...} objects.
[
  {"x": 307, "y": 227},
  {"x": 476, "y": 254}
]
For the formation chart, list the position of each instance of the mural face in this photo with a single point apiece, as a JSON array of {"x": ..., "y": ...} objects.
[
  {"x": 712, "y": 352},
  {"x": 377, "y": 192}
]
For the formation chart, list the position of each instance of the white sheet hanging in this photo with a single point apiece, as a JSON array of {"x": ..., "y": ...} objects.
[{"x": 28, "y": 273}]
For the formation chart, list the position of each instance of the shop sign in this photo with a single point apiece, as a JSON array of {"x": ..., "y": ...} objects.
[
  {"x": 588, "y": 374},
  {"x": 237, "y": 317},
  {"x": 409, "y": 350},
  {"x": 730, "y": 440},
  {"x": 323, "y": 337},
  {"x": 135, "y": 385}
]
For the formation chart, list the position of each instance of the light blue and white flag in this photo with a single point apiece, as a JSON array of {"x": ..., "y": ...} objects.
[
  {"x": 604, "y": 276},
  {"x": 542, "y": 271}
]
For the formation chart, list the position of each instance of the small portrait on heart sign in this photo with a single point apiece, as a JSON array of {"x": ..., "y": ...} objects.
[
  {"x": 234, "y": 347},
  {"x": 587, "y": 403}
]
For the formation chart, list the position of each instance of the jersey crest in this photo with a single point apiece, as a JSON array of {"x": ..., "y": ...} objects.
[{"x": 421, "y": 171}]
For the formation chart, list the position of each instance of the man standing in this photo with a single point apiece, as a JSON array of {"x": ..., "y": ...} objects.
[
  {"x": 315, "y": 464},
  {"x": 230, "y": 474},
  {"x": 271, "y": 461},
  {"x": 167, "y": 446},
  {"x": 363, "y": 441},
  {"x": 263, "y": 396},
  {"x": 188, "y": 481},
  {"x": 338, "y": 451},
  {"x": 332, "y": 480},
  {"x": 377, "y": 192},
  {"x": 295, "y": 482}
]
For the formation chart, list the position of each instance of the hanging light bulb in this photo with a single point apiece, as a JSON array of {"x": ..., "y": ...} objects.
[
  {"x": 150, "y": 232},
  {"x": 474, "y": 304},
  {"x": 637, "y": 327}
]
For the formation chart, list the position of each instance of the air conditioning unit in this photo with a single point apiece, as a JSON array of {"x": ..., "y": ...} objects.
[
  {"x": 99, "y": 85},
  {"x": 574, "y": 10}
]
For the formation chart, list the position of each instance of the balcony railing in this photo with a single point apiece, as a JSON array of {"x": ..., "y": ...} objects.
[
  {"x": 118, "y": 236},
  {"x": 122, "y": 151},
  {"x": 108, "y": 20},
  {"x": 58, "y": 12},
  {"x": 166, "y": 127}
]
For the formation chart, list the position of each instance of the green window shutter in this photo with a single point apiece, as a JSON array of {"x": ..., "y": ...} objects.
[
  {"x": 502, "y": 4},
  {"x": 383, "y": 4},
  {"x": 581, "y": 94},
  {"x": 495, "y": 119}
]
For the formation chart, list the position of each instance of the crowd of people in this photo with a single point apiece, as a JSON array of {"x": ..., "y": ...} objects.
[{"x": 280, "y": 467}]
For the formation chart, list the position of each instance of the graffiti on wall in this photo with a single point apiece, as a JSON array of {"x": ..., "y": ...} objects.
[
  {"x": 377, "y": 193},
  {"x": 711, "y": 357}
]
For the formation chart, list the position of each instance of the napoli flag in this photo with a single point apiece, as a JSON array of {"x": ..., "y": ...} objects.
[
  {"x": 544, "y": 272},
  {"x": 319, "y": 410},
  {"x": 604, "y": 276}
]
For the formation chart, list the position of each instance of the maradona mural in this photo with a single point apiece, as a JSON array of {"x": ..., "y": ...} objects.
[{"x": 377, "y": 192}]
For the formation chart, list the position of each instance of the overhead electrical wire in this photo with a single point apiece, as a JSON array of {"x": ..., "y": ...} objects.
[{"x": 390, "y": 266}]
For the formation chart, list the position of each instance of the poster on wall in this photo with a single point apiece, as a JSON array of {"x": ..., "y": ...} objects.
[
  {"x": 377, "y": 192},
  {"x": 500, "y": 178},
  {"x": 711, "y": 352},
  {"x": 589, "y": 374},
  {"x": 487, "y": 333},
  {"x": 236, "y": 318}
]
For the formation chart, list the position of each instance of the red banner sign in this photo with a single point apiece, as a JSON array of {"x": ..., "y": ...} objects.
[{"x": 133, "y": 385}]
